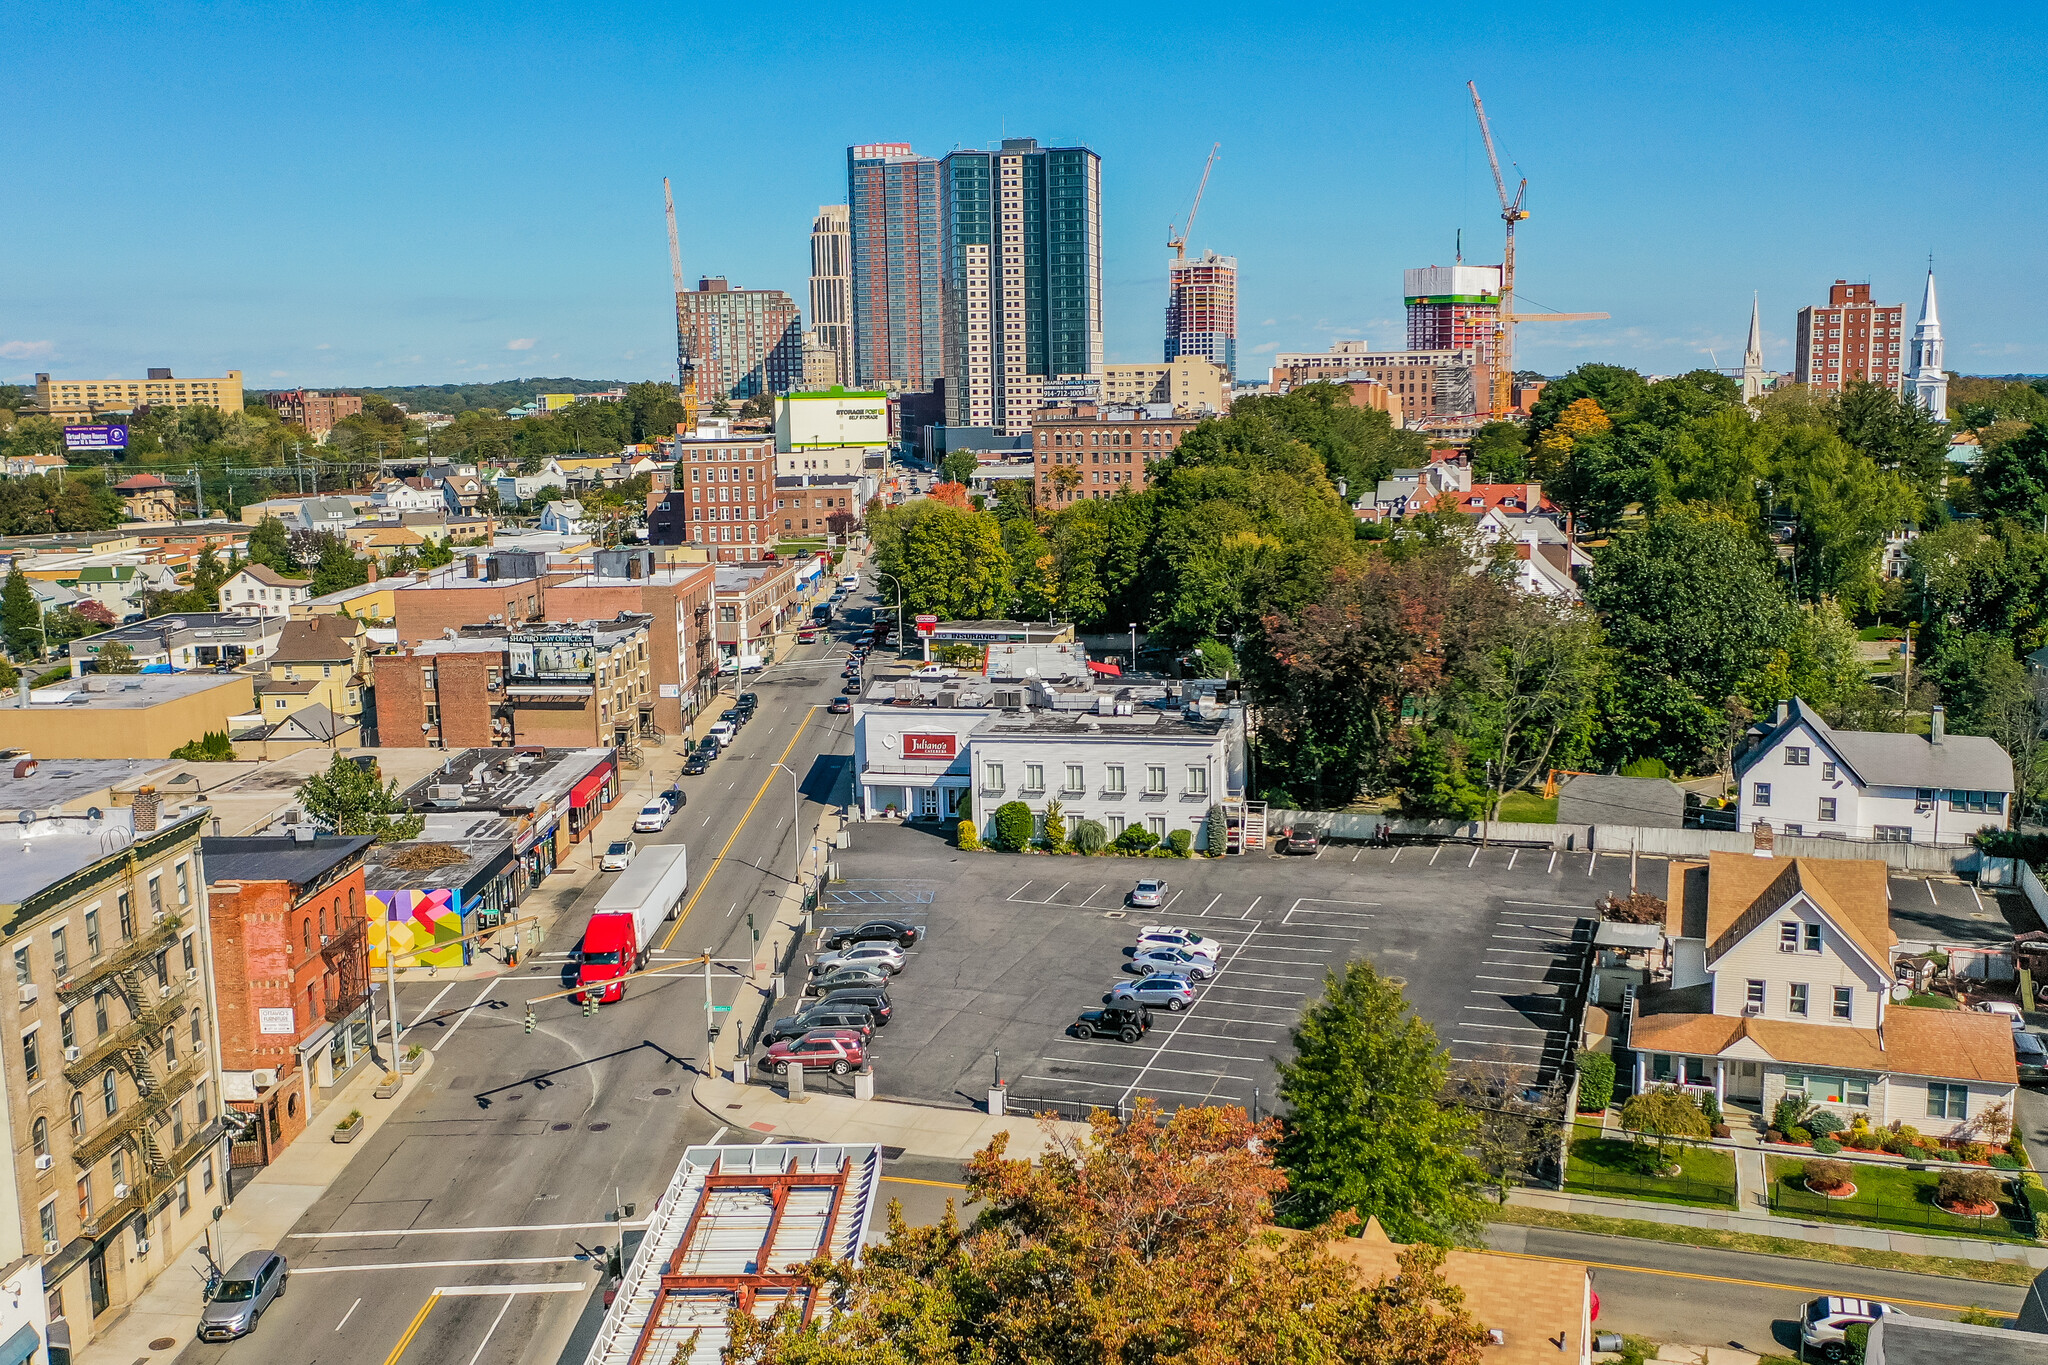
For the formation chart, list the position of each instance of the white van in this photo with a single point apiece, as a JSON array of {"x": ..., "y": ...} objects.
[
  {"x": 745, "y": 663},
  {"x": 849, "y": 583}
]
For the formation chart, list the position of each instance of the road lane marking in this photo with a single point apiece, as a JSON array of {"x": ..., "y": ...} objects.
[
  {"x": 491, "y": 1331},
  {"x": 1715, "y": 1279},
  {"x": 349, "y": 1314},
  {"x": 432, "y": 1265},
  {"x": 906, "y": 1180},
  {"x": 486, "y": 1291},
  {"x": 420, "y": 1016},
  {"x": 411, "y": 1331},
  {"x": 457, "y": 1232},
  {"x": 464, "y": 1016},
  {"x": 730, "y": 839}
]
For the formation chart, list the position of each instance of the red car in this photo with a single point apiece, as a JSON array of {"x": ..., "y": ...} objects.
[{"x": 836, "y": 1050}]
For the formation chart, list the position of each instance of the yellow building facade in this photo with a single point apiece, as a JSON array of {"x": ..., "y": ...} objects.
[
  {"x": 81, "y": 400},
  {"x": 1189, "y": 383}
]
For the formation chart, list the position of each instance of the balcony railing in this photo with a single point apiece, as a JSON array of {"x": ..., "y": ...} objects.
[
  {"x": 149, "y": 1185},
  {"x": 164, "y": 1005}
]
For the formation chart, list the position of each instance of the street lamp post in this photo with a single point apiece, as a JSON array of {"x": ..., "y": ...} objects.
[
  {"x": 795, "y": 823},
  {"x": 899, "y": 608}
]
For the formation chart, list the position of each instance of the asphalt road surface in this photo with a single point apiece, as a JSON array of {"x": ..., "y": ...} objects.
[{"x": 464, "y": 1229}]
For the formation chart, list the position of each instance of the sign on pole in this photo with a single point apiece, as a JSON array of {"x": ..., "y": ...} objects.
[{"x": 926, "y": 625}]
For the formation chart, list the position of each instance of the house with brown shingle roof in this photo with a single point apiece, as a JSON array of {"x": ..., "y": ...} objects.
[{"x": 1781, "y": 985}]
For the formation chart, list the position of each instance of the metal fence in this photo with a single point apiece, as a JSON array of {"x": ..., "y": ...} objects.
[
  {"x": 2015, "y": 1217},
  {"x": 1682, "y": 1188}
]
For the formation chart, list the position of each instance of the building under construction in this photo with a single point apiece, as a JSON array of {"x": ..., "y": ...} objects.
[{"x": 1201, "y": 310}]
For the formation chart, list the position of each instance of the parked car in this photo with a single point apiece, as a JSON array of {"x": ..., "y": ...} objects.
[
  {"x": 855, "y": 1017},
  {"x": 1127, "y": 1022},
  {"x": 874, "y": 956},
  {"x": 723, "y": 733},
  {"x": 874, "y": 999},
  {"x": 837, "y": 1051},
  {"x": 1148, "y": 894},
  {"x": 256, "y": 1280},
  {"x": 734, "y": 716},
  {"x": 1177, "y": 936},
  {"x": 2010, "y": 1011},
  {"x": 1178, "y": 961},
  {"x": 891, "y": 930},
  {"x": 619, "y": 856},
  {"x": 2031, "y": 1052},
  {"x": 697, "y": 761},
  {"x": 851, "y": 687},
  {"x": 849, "y": 583},
  {"x": 676, "y": 797},
  {"x": 653, "y": 817},
  {"x": 849, "y": 976},
  {"x": 1826, "y": 1322},
  {"x": 1299, "y": 839},
  {"x": 1161, "y": 988},
  {"x": 840, "y": 706}
]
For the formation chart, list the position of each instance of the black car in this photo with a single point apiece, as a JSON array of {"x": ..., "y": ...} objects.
[
  {"x": 1127, "y": 1022},
  {"x": 733, "y": 716},
  {"x": 851, "y": 687},
  {"x": 676, "y": 797},
  {"x": 874, "y": 999},
  {"x": 819, "y": 1016},
  {"x": 698, "y": 761},
  {"x": 893, "y": 931},
  {"x": 746, "y": 701},
  {"x": 848, "y": 978}
]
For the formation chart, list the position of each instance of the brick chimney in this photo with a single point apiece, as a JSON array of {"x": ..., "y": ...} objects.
[
  {"x": 146, "y": 804},
  {"x": 373, "y": 571}
]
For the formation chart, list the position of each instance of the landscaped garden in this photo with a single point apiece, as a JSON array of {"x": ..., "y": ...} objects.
[
  {"x": 1624, "y": 1167},
  {"x": 1898, "y": 1197}
]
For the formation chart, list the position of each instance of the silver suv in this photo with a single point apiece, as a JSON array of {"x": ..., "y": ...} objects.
[
  {"x": 251, "y": 1285},
  {"x": 1825, "y": 1324}
]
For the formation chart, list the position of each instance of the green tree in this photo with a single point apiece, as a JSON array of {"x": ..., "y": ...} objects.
[
  {"x": 1596, "y": 1080},
  {"x": 1215, "y": 832},
  {"x": 337, "y": 566},
  {"x": 1013, "y": 826},
  {"x": 959, "y": 466},
  {"x": 213, "y": 747},
  {"x": 1845, "y": 506},
  {"x": 348, "y": 800},
  {"x": 1088, "y": 836},
  {"x": 1510, "y": 1133},
  {"x": 950, "y": 561},
  {"x": 270, "y": 545},
  {"x": 21, "y": 616},
  {"x": 10, "y": 676},
  {"x": 115, "y": 658},
  {"x": 1529, "y": 702},
  {"x": 1055, "y": 828},
  {"x": 966, "y": 836},
  {"x": 1500, "y": 453},
  {"x": 1664, "y": 1117},
  {"x": 1136, "y": 839},
  {"x": 2012, "y": 480},
  {"x": 1365, "y": 1130},
  {"x": 1888, "y": 428}
]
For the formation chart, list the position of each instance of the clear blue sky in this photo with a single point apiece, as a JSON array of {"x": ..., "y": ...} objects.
[{"x": 389, "y": 194}]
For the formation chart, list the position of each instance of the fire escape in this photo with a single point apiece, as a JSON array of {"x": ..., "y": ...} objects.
[{"x": 346, "y": 954}]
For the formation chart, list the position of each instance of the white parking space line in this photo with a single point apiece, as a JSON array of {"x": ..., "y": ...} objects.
[
  {"x": 1553, "y": 863},
  {"x": 1221, "y": 985},
  {"x": 1531, "y": 996},
  {"x": 1211, "y": 905},
  {"x": 1493, "y": 1042},
  {"x": 1130, "y": 1066},
  {"x": 1524, "y": 952},
  {"x": 1092, "y": 895},
  {"x": 1149, "y": 1090},
  {"x": 1020, "y": 890},
  {"x": 1511, "y": 858},
  {"x": 1433, "y": 854},
  {"x": 1239, "y": 1023},
  {"x": 1171, "y": 899},
  {"x": 1249, "y": 908},
  {"x": 1509, "y": 1028},
  {"x": 1475, "y": 856},
  {"x": 1552, "y": 905},
  {"x": 1931, "y": 898}
]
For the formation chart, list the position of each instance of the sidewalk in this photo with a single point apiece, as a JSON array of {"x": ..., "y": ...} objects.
[
  {"x": 1764, "y": 1225},
  {"x": 267, "y": 1209},
  {"x": 919, "y": 1130}
]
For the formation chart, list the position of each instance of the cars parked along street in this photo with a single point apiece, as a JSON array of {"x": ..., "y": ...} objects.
[
  {"x": 256, "y": 1280},
  {"x": 840, "y": 980},
  {"x": 619, "y": 856},
  {"x": 1160, "y": 958}
]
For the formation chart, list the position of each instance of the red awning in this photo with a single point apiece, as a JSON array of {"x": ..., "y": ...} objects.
[
  {"x": 583, "y": 791},
  {"x": 1106, "y": 670}
]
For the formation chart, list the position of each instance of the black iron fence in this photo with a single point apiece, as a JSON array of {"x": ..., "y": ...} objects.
[
  {"x": 1680, "y": 1189},
  {"x": 2015, "y": 1217}
]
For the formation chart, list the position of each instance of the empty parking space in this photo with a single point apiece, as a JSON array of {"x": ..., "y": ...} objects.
[{"x": 1930, "y": 910}]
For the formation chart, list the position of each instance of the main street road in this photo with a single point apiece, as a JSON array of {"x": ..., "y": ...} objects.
[{"x": 459, "y": 1233}]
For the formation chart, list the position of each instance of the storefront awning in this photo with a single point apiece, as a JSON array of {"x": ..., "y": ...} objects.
[
  {"x": 589, "y": 787},
  {"x": 1106, "y": 670},
  {"x": 21, "y": 1346}
]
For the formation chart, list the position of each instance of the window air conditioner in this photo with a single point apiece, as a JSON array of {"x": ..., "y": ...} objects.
[
  {"x": 49, "y": 1248},
  {"x": 191, "y": 973},
  {"x": 120, "y": 1191},
  {"x": 71, "y": 1054},
  {"x": 1788, "y": 947},
  {"x": 1752, "y": 1011},
  {"x": 142, "y": 1246},
  {"x": 28, "y": 992},
  {"x": 45, "y": 1161}
]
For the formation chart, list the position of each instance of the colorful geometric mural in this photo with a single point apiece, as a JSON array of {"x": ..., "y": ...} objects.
[{"x": 411, "y": 920}]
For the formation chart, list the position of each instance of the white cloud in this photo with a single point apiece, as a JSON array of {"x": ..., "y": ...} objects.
[
  {"x": 324, "y": 346},
  {"x": 277, "y": 374},
  {"x": 520, "y": 344},
  {"x": 25, "y": 350},
  {"x": 1266, "y": 348},
  {"x": 1270, "y": 322}
]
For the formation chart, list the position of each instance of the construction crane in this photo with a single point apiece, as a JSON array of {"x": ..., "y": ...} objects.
[
  {"x": 686, "y": 365},
  {"x": 1511, "y": 212},
  {"x": 1180, "y": 243}
]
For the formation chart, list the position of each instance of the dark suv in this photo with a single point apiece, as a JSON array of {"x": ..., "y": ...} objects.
[
  {"x": 1127, "y": 1022},
  {"x": 857, "y": 1018},
  {"x": 874, "y": 999}
]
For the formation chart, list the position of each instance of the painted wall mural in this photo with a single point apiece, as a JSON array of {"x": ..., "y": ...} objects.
[{"x": 407, "y": 921}]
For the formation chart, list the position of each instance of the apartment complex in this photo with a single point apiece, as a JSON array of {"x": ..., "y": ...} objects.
[
  {"x": 724, "y": 488},
  {"x": 114, "y": 1096},
  {"x": 315, "y": 411},
  {"x": 83, "y": 400},
  {"x": 743, "y": 342},
  {"x": 559, "y": 684},
  {"x": 1453, "y": 308},
  {"x": 1090, "y": 450},
  {"x": 1023, "y": 270},
  {"x": 1201, "y": 310},
  {"x": 896, "y": 252},
  {"x": 682, "y": 660},
  {"x": 1191, "y": 383},
  {"x": 1448, "y": 383},
  {"x": 1851, "y": 340},
  {"x": 832, "y": 290}
]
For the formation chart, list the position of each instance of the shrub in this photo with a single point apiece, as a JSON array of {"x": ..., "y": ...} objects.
[
  {"x": 1827, "y": 1175},
  {"x": 968, "y": 837},
  {"x": 1968, "y": 1187},
  {"x": 2004, "y": 1161},
  {"x": 1825, "y": 1122},
  {"x": 1902, "y": 1140},
  {"x": 1972, "y": 1151},
  {"x": 1790, "y": 1112},
  {"x": 1088, "y": 836},
  {"x": 1215, "y": 832},
  {"x": 1055, "y": 828},
  {"x": 1826, "y": 1146},
  {"x": 1596, "y": 1081},
  {"x": 1645, "y": 767},
  {"x": 966, "y": 806},
  {"x": 1711, "y": 1107},
  {"x": 1180, "y": 841},
  {"x": 1135, "y": 839},
  {"x": 1797, "y": 1134},
  {"x": 1014, "y": 824}
]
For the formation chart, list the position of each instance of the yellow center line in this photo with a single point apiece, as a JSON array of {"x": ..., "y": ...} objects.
[
  {"x": 1719, "y": 1279},
  {"x": 412, "y": 1331},
  {"x": 691, "y": 904},
  {"x": 906, "y": 1180}
]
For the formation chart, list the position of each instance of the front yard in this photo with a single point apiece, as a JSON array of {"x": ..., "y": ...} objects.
[
  {"x": 1618, "y": 1167},
  {"x": 1889, "y": 1197}
]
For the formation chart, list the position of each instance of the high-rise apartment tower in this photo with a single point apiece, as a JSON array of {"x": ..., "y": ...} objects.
[
  {"x": 743, "y": 341},
  {"x": 1023, "y": 265},
  {"x": 1849, "y": 340},
  {"x": 1453, "y": 308},
  {"x": 896, "y": 254},
  {"x": 1201, "y": 310},
  {"x": 832, "y": 288}
]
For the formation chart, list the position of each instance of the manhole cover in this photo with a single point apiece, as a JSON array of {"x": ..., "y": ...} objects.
[
  {"x": 599, "y": 1127},
  {"x": 561, "y": 1127},
  {"x": 163, "y": 1343},
  {"x": 735, "y": 1106},
  {"x": 663, "y": 1090}
]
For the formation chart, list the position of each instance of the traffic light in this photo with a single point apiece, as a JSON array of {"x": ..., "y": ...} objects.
[
  {"x": 589, "y": 1004},
  {"x": 530, "y": 1021}
]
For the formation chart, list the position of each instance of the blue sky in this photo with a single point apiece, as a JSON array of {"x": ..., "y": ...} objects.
[{"x": 389, "y": 194}]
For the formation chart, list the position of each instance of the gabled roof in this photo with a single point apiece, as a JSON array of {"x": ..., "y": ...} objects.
[
  {"x": 270, "y": 577},
  {"x": 140, "y": 483},
  {"x": 1745, "y": 891},
  {"x": 1874, "y": 758},
  {"x": 317, "y": 640},
  {"x": 1957, "y": 1045}
]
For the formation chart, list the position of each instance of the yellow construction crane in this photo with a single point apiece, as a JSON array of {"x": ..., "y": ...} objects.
[
  {"x": 686, "y": 364},
  {"x": 1180, "y": 243},
  {"x": 1511, "y": 212}
]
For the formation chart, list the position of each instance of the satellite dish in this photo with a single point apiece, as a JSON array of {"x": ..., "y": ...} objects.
[
  {"x": 27, "y": 817},
  {"x": 94, "y": 813},
  {"x": 1901, "y": 992}
]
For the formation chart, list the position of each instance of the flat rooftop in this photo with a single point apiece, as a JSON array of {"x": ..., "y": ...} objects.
[
  {"x": 505, "y": 781},
  {"x": 127, "y": 692},
  {"x": 58, "y": 782},
  {"x": 41, "y": 854}
]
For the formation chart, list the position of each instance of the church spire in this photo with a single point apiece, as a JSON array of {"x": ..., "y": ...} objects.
[
  {"x": 1928, "y": 379},
  {"x": 1753, "y": 356}
]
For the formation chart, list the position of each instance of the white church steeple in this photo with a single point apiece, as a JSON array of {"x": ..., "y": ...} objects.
[
  {"x": 1753, "y": 357},
  {"x": 1928, "y": 379}
]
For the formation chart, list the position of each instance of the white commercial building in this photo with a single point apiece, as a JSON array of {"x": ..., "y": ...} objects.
[{"x": 834, "y": 431}]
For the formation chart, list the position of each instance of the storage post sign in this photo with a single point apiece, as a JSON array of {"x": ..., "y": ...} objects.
[
  {"x": 930, "y": 746},
  {"x": 95, "y": 438}
]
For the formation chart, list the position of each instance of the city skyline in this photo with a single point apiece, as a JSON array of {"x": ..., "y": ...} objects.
[{"x": 459, "y": 226}]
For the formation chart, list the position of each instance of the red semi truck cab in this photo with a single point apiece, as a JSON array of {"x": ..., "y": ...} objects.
[
  {"x": 610, "y": 950},
  {"x": 625, "y": 928}
]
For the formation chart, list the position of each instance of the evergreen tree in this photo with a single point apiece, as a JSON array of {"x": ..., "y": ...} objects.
[
  {"x": 270, "y": 544},
  {"x": 1366, "y": 1130},
  {"x": 20, "y": 617}
]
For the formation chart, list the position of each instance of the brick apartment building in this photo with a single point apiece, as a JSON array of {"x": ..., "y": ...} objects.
[
  {"x": 315, "y": 411},
  {"x": 501, "y": 588},
  {"x": 564, "y": 685},
  {"x": 723, "y": 494},
  {"x": 753, "y": 602},
  {"x": 1849, "y": 341},
  {"x": 287, "y": 916},
  {"x": 682, "y": 654},
  {"x": 1089, "y": 450},
  {"x": 1426, "y": 383}
]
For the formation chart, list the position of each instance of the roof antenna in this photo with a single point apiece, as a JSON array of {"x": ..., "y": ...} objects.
[{"x": 1461, "y": 246}]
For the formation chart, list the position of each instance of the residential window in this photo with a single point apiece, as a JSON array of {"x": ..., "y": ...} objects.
[
  {"x": 47, "y": 1215},
  {"x": 1113, "y": 779},
  {"x": 156, "y": 897},
  {"x": 1198, "y": 779},
  {"x": 200, "y": 1091},
  {"x": 196, "y": 1043},
  {"x": 170, "y": 1049},
  {"x": 1845, "y": 1002},
  {"x": 1795, "y": 1000},
  {"x": 206, "y": 1176},
  {"x": 191, "y": 958},
  {"x": 22, "y": 975},
  {"x": 992, "y": 777},
  {"x": 1827, "y": 808},
  {"x": 127, "y": 915},
  {"x": 39, "y": 1136},
  {"x": 110, "y": 1098},
  {"x": 1034, "y": 777},
  {"x": 1813, "y": 938},
  {"x": 1827, "y": 772},
  {"x": 99, "y": 1013},
  {"x": 1157, "y": 824},
  {"x": 185, "y": 1195},
  {"x": 1892, "y": 834},
  {"x": 77, "y": 1116},
  {"x": 60, "y": 951},
  {"x": 92, "y": 933},
  {"x": 1075, "y": 778},
  {"x": 1660, "y": 1067},
  {"x": 67, "y": 1029},
  {"x": 184, "y": 884},
  {"x": 1116, "y": 825},
  {"x": 85, "y": 1199},
  {"x": 1947, "y": 1101},
  {"x": 1788, "y": 936},
  {"x": 1155, "y": 780},
  {"x": 1797, "y": 755},
  {"x": 31, "y": 1056},
  {"x": 1760, "y": 794},
  {"x": 1756, "y": 997}
]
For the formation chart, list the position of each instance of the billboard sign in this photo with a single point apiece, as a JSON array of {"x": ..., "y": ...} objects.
[
  {"x": 1073, "y": 389},
  {"x": 553, "y": 656},
  {"x": 927, "y": 624},
  {"x": 931, "y": 746},
  {"x": 95, "y": 438}
]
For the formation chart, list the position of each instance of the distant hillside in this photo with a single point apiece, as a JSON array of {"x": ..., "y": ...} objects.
[{"x": 504, "y": 393}]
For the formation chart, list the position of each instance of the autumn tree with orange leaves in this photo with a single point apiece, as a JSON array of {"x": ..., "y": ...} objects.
[{"x": 1146, "y": 1241}]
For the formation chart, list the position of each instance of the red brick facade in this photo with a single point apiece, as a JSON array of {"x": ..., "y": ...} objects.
[
  {"x": 680, "y": 649},
  {"x": 1852, "y": 340},
  {"x": 1107, "y": 455},
  {"x": 722, "y": 500},
  {"x": 450, "y": 602}
]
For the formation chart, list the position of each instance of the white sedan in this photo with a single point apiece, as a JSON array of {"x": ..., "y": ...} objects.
[
  {"x": 619, "y": 856},
  {"x": 1149, "y": 894},
  {"x": 1174, "y": 936}
]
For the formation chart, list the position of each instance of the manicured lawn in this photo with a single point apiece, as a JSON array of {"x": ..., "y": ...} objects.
[
  {"x": 1617, "y": 1167},
  {"x": 1886, "y": 1196},
  {"x": 1923, "y": 1001},
  {"x": 1529, "y": 808}
]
